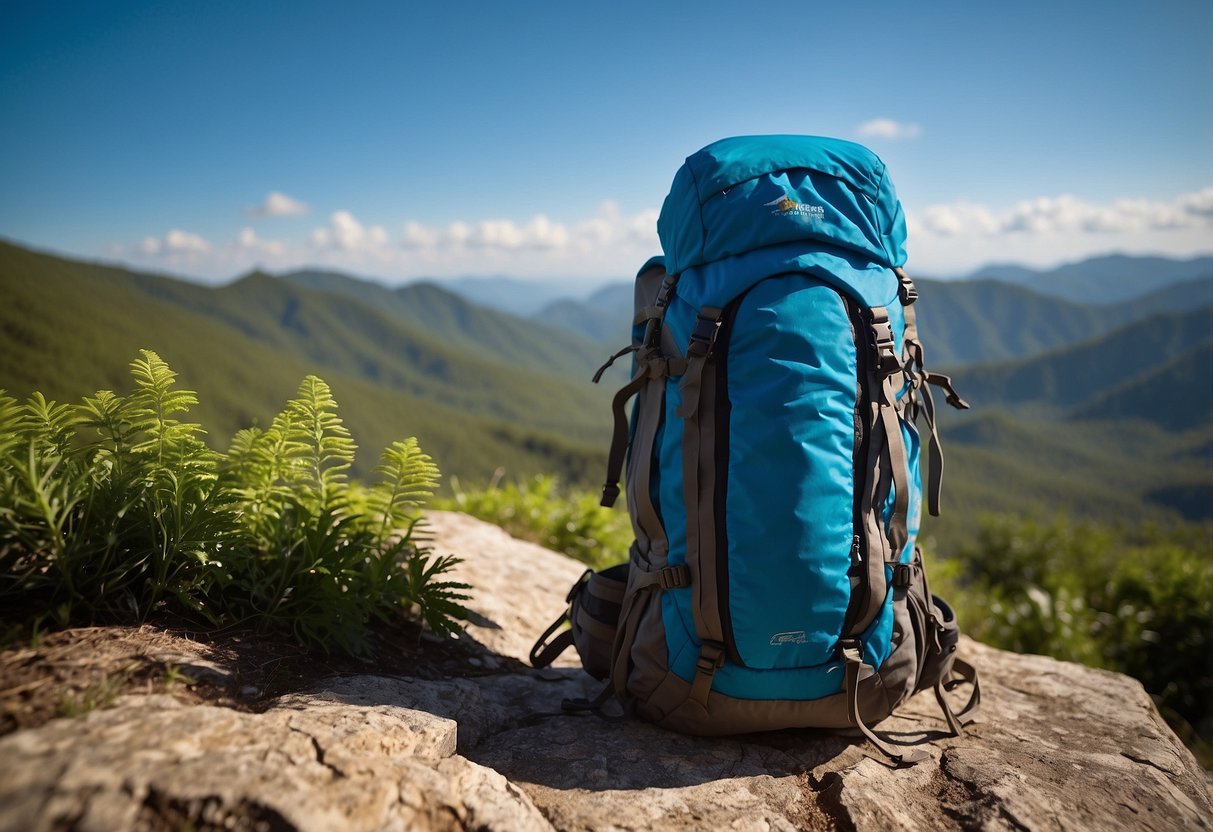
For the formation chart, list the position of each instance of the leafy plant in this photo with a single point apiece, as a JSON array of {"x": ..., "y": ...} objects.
[
  {"x": 541, "y": 511},
  {"x": 115, "y": 507},
  {"x": 1139, "y": 601}
]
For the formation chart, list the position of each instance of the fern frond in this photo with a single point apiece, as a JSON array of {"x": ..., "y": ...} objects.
[
  {"x": 409, "y": 478},
  {"x": 10, "y": 424},
  {"x": 49, "y": 425},
  {"x": 152, "y": 406},
  {"x": 327, "y": 448},
  {"x": 436, "y": 601}
]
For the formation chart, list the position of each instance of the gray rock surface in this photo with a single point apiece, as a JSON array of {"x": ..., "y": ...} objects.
[{"x": 1061, "y": 747}]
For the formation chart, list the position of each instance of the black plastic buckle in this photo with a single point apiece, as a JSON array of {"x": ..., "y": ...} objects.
[
  {"x": 884, "y": 347},
  {"x": 905, "y": 288},
  {"x": 707, "y": 327},
  {"x": 667, "y": 289},
  {"x": 903, "y": 575}
]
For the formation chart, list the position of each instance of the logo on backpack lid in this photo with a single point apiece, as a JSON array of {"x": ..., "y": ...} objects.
[
  {"x": 794, "y": 637},
  {"x": 786, "y": 206}
]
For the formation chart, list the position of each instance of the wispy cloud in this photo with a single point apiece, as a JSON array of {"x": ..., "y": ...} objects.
[
  {"x": 887, "y": 128},
  {"x": 1069, "y": 214},
  {"x": 608, "y": 228},
  {"x": 277, "y": 204},
  {"x": 175, "y": 242},
  {"x": 250, "y": 243},
  {"x": 959, "y": 236},
  {"x": 346, "y": 233},
  {"x": 947, "y": 237}
]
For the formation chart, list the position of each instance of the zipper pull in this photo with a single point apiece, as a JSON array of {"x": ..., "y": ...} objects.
[{"x": 856, "y": 552}]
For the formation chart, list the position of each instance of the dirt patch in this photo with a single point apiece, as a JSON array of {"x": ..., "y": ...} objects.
[{"x": 71, "y": 672}]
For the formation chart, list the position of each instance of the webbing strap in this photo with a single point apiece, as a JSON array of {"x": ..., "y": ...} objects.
[
  {"x": 668, "y": 577},
  {"x": 899, "y": 463},
  {"x": 711, "y": 659},
  {"x": 967, "y": 714},
  {"x": 954, "y": 399},
  {"x": 853, "y": 659},
  {"x": 650, "y": 532},
  {"x": 601, "y": 631},
  {"x": 648, "y": 313},
  {"x": 699, "y": 483},
  {"x": 935, "y": 453},
  {"x": 607, "y": 365},
  {"x": 596, "y": 704},
  {"x": 544, "y": 652},
  {"x": 619, "y": 437},
  {"x": 703, "y": 338},
  {"x": 641, "y": 585}
]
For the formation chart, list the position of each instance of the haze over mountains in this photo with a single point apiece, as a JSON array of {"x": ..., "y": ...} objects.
[{"x": 1103, "y": 405}]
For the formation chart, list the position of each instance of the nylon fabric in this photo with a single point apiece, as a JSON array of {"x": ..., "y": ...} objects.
[
  {"x": 745, "y": 193},
  {"x": 790, "y": 473}
]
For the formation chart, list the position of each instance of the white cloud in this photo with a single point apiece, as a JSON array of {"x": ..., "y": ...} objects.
[
  {"x": 541, "y": 234},
  {"x": 1068, "y": 214},
  {"x": 1049, "y": 229},
  {"x": 277, "y": 204},
  {"x": 348, "y": 234},
  {"x": 175, "y": 242},
  {"x": 887, "y": 128},
  {"x": 249, "y": 242},
  {"x": 957, "y": 218}
]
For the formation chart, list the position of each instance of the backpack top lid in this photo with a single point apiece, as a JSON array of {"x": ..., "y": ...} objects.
[{"x": 743, "y": 193}]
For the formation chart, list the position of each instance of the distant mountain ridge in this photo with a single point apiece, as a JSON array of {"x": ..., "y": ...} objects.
[
  {"x": 69, "y": 328},
  {"x": 515, "y": 295},
  {"x": 1104, "y": 409},
  {"x": 1104, "y": 279},
  {"x": 450, "y": 317},
  {"x": 963, "y": 322}
]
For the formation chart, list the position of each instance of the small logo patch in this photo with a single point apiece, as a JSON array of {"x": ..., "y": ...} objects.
[
  {"x": 786, "y": 206},
  {"x": 794, "y": 637}
]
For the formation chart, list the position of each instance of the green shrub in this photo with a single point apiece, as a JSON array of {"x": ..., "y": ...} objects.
[
  {"x": 541, "y": 511},
  {"x": 114, "y": 508},
  {"x": 1137, "y": 601}
]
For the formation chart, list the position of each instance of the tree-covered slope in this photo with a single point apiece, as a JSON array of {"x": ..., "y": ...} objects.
[
  {"x": 67, "y": 328},
  {"x": 1076, "y": 375},
  {"x": 452, "y": 319}
]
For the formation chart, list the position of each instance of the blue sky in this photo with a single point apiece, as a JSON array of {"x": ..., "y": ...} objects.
[{"x": 399, "y": 140}]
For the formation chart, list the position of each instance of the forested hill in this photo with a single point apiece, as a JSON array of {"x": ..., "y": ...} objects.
[
  {"x": 1106, "y": 411},
  {"x": 68, "y": 328}
]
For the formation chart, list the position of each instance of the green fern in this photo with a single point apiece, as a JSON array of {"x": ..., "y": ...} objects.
[
  {"x": 10, "y": 424},
  {"x": 115, "y": 507},
  {"x": 408, "y": 478},
  {"x": 434, "y": 601},
  {"x": 152, "y": 407},
  {"x": 326, "y": 450},
  {"x": 50, "y": 426}
]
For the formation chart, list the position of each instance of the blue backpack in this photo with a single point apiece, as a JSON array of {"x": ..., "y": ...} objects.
[{"x": 773, "y": 463}]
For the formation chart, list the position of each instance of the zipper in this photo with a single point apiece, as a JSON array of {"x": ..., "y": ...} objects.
[
  {"x": 723, "y": 408},
  {"x": 861, "y": 591}
]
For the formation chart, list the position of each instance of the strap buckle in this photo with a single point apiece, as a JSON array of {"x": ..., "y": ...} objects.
[
  {"x": 905, "y": 287},
  {"x": 903, "y": 575},
  {"x": 884, "y": 347},
  {"x": 703, "y": 338},
  {"x": 672, "y": 577},
  {"x": 711, "y": 657},
  {"x": 851, "y": 650}
]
